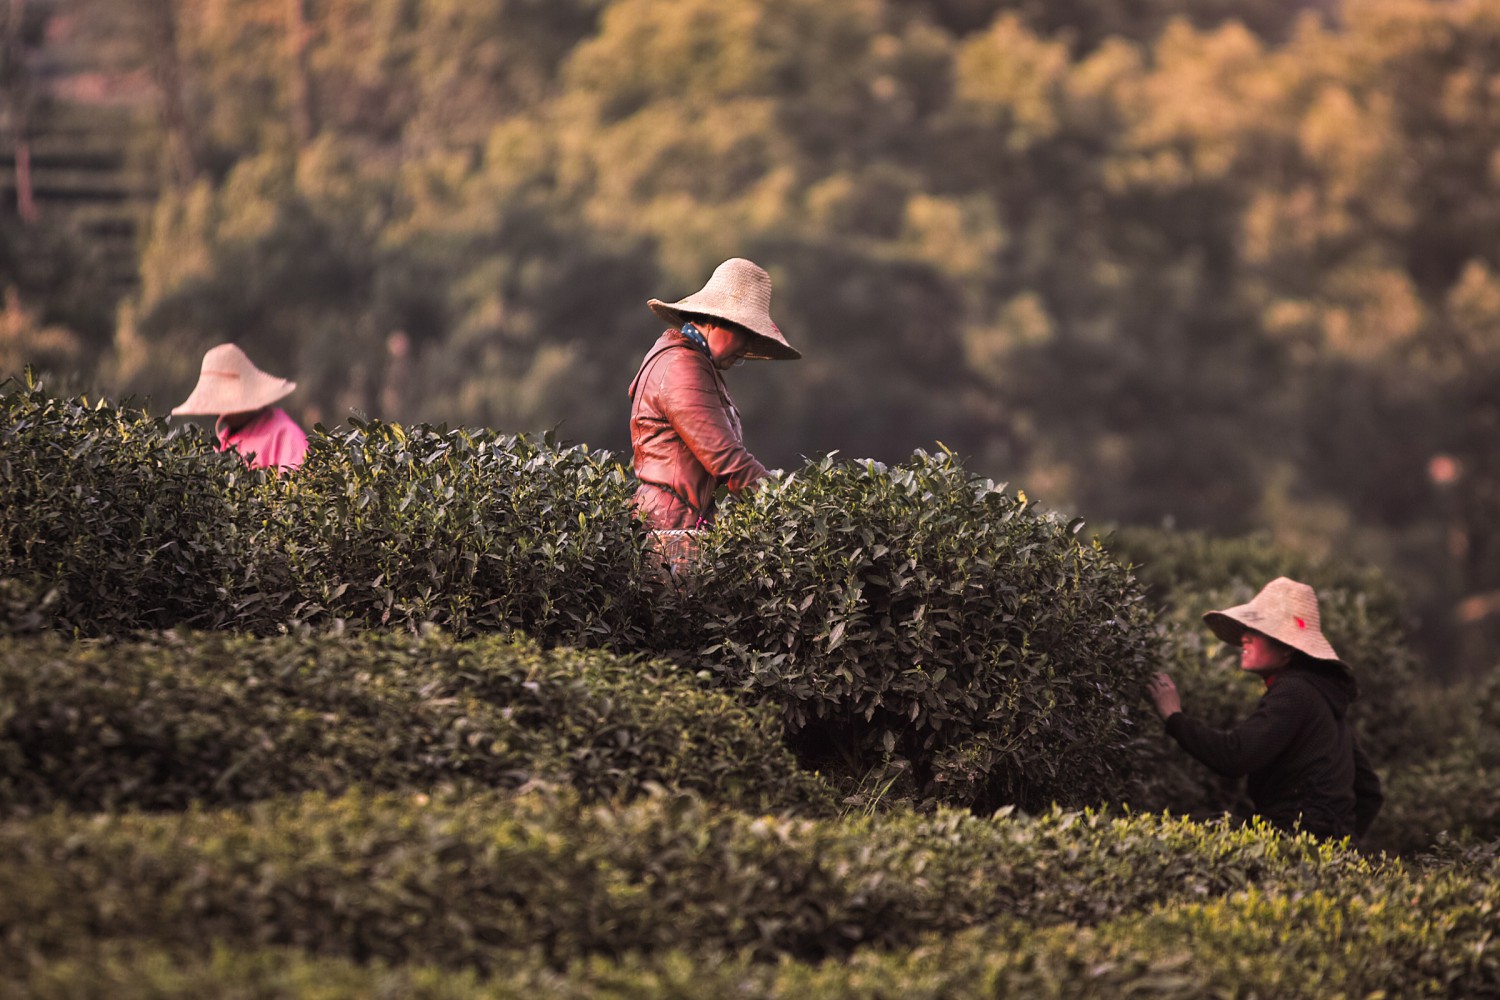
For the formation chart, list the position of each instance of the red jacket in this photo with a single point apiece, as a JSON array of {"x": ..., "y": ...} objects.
[{"x": 686, "y": 436}]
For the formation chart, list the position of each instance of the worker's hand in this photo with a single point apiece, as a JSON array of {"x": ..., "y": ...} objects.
[{"x": 1164, "y": 694}]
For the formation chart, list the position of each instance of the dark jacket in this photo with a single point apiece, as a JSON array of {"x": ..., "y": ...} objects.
[
  {"x": 1306, "y": 770},
  {"x": 685, "y": 434}
]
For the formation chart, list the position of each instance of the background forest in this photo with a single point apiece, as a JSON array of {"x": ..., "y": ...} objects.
[{"x": 1227, "y": 265}]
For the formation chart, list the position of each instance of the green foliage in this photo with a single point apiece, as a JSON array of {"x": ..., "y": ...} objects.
[
  {"x": 920, "y": 633},
  {"x": 1372, "y": 933},
  {"x": 1449, "y": 795},
  {"x": 203, "y": 719},
  {"x": 923, "y": 617},
  {"x": 465, "y": 883},
  {"x": 112, "y": 523},
  {"x": 472, "y": 530},
  {"x": 109, "y": 521}
]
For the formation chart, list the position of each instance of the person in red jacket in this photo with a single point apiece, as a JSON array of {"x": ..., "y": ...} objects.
[
  {"x": 1305, "y": 769},
  {"x": 240, "y": 395},
  {"x": 685, "y": 432}
]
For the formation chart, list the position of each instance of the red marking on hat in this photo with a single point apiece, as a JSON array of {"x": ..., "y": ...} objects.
[{"x": 1300, "y": 622}]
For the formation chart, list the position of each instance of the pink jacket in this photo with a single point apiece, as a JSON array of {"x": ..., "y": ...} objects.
[
  {"x": 686, "y": 436},
  {"x": 270, "y": 439}
]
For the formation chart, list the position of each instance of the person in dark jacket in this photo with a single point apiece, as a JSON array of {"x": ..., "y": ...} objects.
[{"x": 1305, "y": 769}]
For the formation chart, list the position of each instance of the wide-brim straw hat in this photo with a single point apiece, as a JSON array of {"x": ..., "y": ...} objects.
[
  {"x": 230, "y": 383},
  {"x": 739, "y": 292},
  {"x": 1285, "y": 610}
]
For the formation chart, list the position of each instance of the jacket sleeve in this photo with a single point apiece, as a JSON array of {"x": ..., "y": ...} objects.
[
  {"x": 697, "y": 412},
  {"x": 1252, "y": 744},
  {"x": 1368, "y": 797}
]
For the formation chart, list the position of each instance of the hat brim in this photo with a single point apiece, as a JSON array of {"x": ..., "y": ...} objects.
[
  {"x": 1225, "y": 627},
  {"x": 763, "y": 346},
  {"x": 211, "y": 400},
  {"x": 1229, "y": 627}
]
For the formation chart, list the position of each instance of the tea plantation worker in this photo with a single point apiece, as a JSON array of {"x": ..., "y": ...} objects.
[
  {"x": 1306, "y": 770},
  {"x": 684, "y": 429},
  {"x": 240, "y": 395}
]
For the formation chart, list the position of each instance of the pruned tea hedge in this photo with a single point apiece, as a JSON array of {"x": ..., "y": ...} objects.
[
  {"x": 476, "y": 531},
  {"x": 464, "y": 882},
  {"x": 112, "y": 522},
  {"x": 1247, "y": 945},
  {"x": 204, "y": 719},
  {"x": 919, "y": 616}
]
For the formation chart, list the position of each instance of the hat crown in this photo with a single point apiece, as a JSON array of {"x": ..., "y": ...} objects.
[
  {"x": 228, "y": 360},
  {"x": 229, "y": 382},
  {"x": 1289, "y": 603},
  {"x": 743, "y": 281}
]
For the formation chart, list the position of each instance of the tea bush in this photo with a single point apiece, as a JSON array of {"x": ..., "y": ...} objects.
[
  {"x": 462, "y": 882},
  {"x": 1372, "y": 937},
  {"x": 920, "y": 617},
  {"x": 109, "y": 521},
  {"x": 1248, "y": 945},
  {"x": 177, "y": 721},
  {"x": 1454, "y": 793},
  {"x": 474, "y": 530}
]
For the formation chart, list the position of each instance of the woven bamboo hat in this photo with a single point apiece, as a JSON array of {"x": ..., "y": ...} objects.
[
  {"x": 1285, "y": 610},
  {"x": 230, "y": 383},
  {"x": 740, "y": 293}
]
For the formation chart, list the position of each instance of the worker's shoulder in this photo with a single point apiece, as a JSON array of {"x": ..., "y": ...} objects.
[
  {"x": 1292, "y": 691},
  {"x": 683, "y": 365},
  {"x": 682, "y": 353}
]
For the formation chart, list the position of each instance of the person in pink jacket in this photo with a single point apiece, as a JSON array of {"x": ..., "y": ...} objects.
[{"x": 240, "y": 395}]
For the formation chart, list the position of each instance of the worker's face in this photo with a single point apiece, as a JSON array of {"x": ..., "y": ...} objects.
[
  {"x": 727, "y": 344},
  {"x": 1262, "y": 655}
]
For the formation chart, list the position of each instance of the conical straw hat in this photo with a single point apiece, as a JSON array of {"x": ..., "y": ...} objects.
[
  {"x": 230, "y": 383},
  {"x": 1286, "y": 611},
  {"x": 740, "y": 292}
]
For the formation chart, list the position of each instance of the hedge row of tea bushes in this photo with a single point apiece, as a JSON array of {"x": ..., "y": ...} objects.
[
  {"x": 914, "y": 622},
  {"x": 1230, "y": 949},
  {"x": 923, "y": 633},
  {"x": 670, "y": 896},
  {"x": 454, "y": 880},
  {"x": 115, "y": 522},
  {"x": 178, "y": 721}
]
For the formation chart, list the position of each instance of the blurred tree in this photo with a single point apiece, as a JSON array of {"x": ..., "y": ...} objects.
[
  {"x": 280, "y": 260},
  {"x": 1086, "y": 24},
  {"x": 21, "y": 26},
  {"x": 129, "y": 36},
  {"x": 475, "y": 64},
  {"x": 1372, "y": 264}
]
